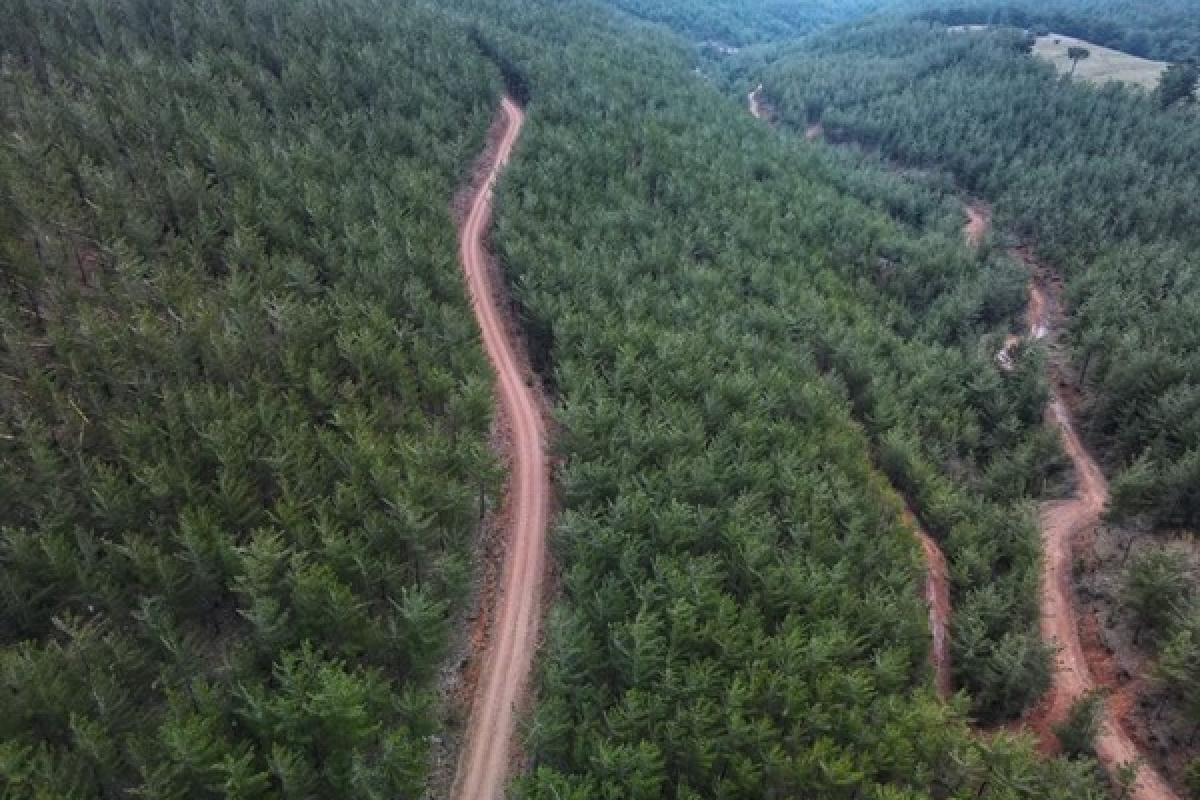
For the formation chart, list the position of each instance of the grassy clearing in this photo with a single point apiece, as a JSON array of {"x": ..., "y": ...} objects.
[{"x": 1102, "y": 65}]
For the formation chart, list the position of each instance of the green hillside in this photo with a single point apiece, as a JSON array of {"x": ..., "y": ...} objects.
[
  {"x": 242, "y": 401},
  {"x": 244, "y": 409}
]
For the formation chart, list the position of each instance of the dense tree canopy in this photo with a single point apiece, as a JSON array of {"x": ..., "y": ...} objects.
[
  {"x": 741, "y": 22},
  {"x": 718, "y": 308},
  {"x": 1101, "y": 179},
  {"x": 242, "y": 402},
  {"x": 244, "y": 410},
  {"x": 1103, "y": 182},
  {"x": 1164, "y": 30}
]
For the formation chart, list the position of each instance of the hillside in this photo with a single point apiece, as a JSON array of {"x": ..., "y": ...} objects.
[
  {"x": 243, "y": 407},
  {"x": 1100, "y": 185},
  {"x": 326, "y": 408}
]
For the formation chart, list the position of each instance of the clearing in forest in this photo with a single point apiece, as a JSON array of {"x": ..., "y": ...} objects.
[{"x": 1102, "y": 64}]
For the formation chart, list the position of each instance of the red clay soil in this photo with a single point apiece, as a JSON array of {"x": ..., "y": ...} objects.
[
  {"x": 1068, "y": 526},
  {"x": 484, "y": 762}
]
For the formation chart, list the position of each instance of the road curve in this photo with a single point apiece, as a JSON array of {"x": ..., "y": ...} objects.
[
  {"x": 1063, "y": 523},
  {"x": 483, "y": 764}
]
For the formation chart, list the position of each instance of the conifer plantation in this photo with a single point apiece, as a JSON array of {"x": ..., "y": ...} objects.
[
  {"x": 245, "y": 411},
  {"x": 243, "y": 407}
]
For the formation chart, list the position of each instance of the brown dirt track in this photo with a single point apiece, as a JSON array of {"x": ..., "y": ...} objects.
[
  {"x": 937, "y": 597},
  {"x": 483, "y": 766},
  {"x": 979, "y": 221},
  {"x": 1067, "y": 527}
]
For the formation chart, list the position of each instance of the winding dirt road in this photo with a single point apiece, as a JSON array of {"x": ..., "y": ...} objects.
[
  {"x": 1065, "y": 525},
  {"x": 483, "y": 764}
]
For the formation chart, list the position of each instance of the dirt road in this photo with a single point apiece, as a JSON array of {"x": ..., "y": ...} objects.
[
  {"x": 1065, "y": 525},
  {"x": 483, "y": 765}
]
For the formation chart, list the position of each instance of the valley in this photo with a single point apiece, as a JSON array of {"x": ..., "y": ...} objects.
[{"x": 582, "y": 399}]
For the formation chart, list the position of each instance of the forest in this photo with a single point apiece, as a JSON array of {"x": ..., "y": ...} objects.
[
  {"x": 245, "y": 412},
  {"x": 243, "y": 409},
  {"x": 711, "y": 306},
  {"x": 1101, "y": 182},
  {"x": 734, "y": 23},
  {"x": 1101, "y": 179}
]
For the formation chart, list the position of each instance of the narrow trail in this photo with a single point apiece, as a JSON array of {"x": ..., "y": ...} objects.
[
  {"x": 979, "y": 221},
  {"x": 484, "y": 762},
  {"x": 937, "y": 597},
  {"x": 1066, "y": 526}
]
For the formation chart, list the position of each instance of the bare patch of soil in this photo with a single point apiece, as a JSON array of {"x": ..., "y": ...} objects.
[
  {"x": 1125, "y": 656},
  {"x": 758, "y": 105}
]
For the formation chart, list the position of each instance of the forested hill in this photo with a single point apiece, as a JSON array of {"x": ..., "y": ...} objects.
[
  {"x": 734, "y": 23},
  {"x": 740, "y": 612},
  {"x": 243, "y": 413},
  {"x": 242, "y": 402},
  {"x": 1102, "y": 180},
  {"x": 1167, "y": 30}
]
